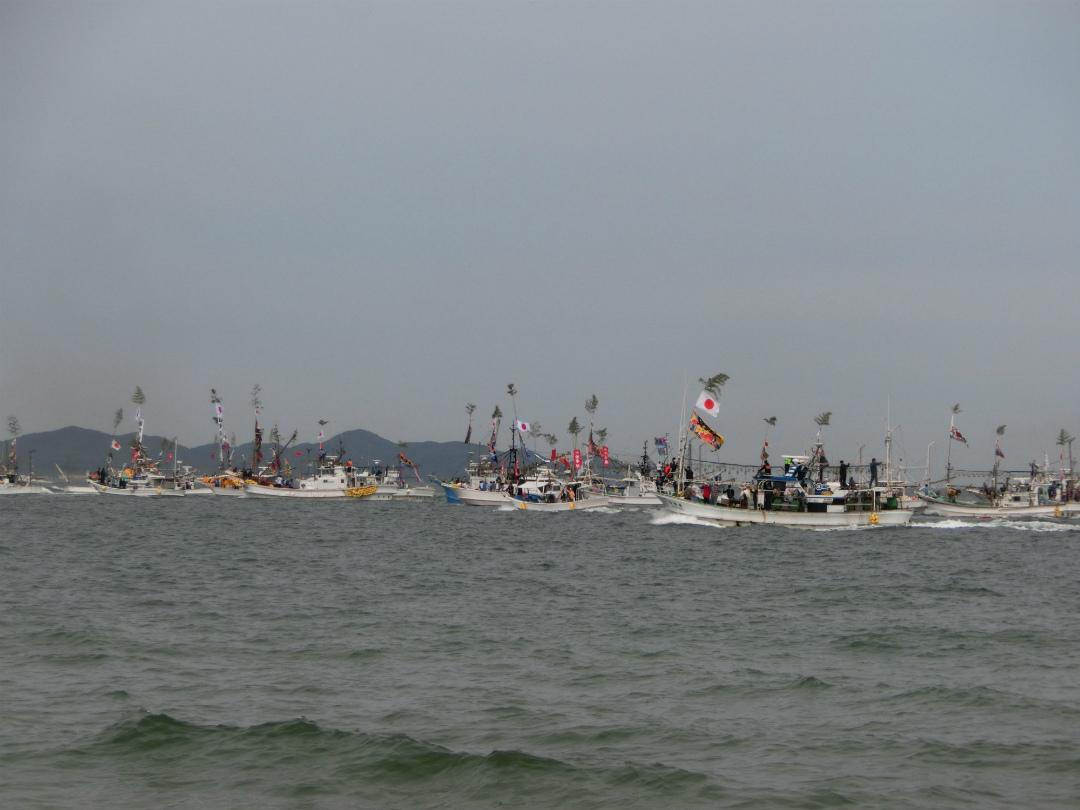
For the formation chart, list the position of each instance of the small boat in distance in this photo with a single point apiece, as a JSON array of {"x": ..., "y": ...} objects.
[{"x": 11, "y": 482}]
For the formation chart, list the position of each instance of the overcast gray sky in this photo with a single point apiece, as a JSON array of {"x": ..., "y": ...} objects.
[{"x": 383, "y": 210}]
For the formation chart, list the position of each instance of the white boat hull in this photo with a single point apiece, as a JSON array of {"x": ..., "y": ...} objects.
[
  {"x": 229, "y": 492},
  {"x": 499, "y": 498},
  {"x": 1050, "y": 510},
  {"x": 583, "y": 504},
  {"x": 473, "y": 497},
  {"x": 389, "y": 492},
  {"x": 731, "y": 516},
  {"x": 634, "y": 500},
  {"x": 264, "y": 491},
  {"x": 136, "y": 491}
]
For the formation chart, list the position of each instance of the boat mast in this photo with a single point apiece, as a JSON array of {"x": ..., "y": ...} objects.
[
  {"x": 948, "y": 452},
  {"x": 256, "y": 444},
  {"x": 888, "y": 442},
  {"x": 513, "y": 460},
  {"x": 684, "y": 441}
]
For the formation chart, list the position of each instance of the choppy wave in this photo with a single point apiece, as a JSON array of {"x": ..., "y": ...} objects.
[
  {"x": 940, "y": 697},
  {"x": 298, "y": 757}
]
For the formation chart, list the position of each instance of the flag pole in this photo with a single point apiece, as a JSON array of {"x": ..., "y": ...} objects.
[
  {"x": 948, "y": 453},
  {"x": 684, "y": 438}
]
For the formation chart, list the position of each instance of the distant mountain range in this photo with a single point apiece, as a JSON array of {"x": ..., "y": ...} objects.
[{"x": 76, "y": 450}]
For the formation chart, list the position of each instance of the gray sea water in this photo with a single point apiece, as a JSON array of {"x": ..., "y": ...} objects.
[{"x": 212, "y": 652}]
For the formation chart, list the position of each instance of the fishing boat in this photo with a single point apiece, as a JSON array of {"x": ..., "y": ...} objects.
[
  {"x": 635, "y": 489},
  {"x": 227, "y": 480},
  {"x": 804, "y": 495},
  {"x": 140, "y": 476},
  {"x": 487, "y": 477},
  {"x": 793, "y": 499},
  {"x": 1022, "y": 498},
  {"x": 11, "y": 482},
  {"x": 391, "y": 485},
  {"x": 1037, "y": 495},
  {"x": 482, "y": 485},
  {"x": 331, "y": 479},
  {"x": 229, "y": 483},
  {"x": 136, "y": 480},
  {"x": 784, "y": 501},
  {"x": 544, "y": 491}
]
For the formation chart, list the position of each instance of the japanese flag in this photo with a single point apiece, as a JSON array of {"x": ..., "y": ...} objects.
[
  {"x": 708, "y": 404},
  {"x": 523, "y": 426}
]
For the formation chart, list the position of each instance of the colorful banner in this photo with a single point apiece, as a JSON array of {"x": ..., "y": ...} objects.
[{"x": 706, "y": 433}]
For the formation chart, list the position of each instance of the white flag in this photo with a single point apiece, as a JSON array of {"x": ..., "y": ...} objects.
[
  {"x": 321, "y": 436},
  {"x": 523, "y": 426},
  {"x": 707, "y": 402}
]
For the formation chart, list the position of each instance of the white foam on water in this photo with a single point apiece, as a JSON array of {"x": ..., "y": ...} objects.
[
  {"x": 1037, "y": 526},
  {"x": 852, "y": 528},
  {"x": 1000, "y": 523},
  {"x": 946, "y": 524},
  {"x": 672, "y": 519}
]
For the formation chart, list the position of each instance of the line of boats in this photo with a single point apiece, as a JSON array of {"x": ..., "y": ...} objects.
[
  {"x": 797, "y": 497},
  {"x": 807, "y": 493},
  {"x": 144, "y": 478}
]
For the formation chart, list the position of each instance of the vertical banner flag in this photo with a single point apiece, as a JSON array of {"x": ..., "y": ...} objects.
[
  {"x": 408, "y": 462},
  {"x": 577, "y": 459},
  {"x": 604, "y": 455}
]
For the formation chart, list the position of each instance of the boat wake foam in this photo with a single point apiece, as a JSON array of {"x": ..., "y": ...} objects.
[
  {"x": 998, "y": 523},
  {"x": 673, "y": 519}
]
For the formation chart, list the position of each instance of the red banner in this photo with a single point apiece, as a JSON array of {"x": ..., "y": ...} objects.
[
  {"x": 604, "y": 455},
  {"x": 577, "y": 459}
]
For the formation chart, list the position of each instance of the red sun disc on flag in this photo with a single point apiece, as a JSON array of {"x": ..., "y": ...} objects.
[{"x": 709, "y": 404}]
